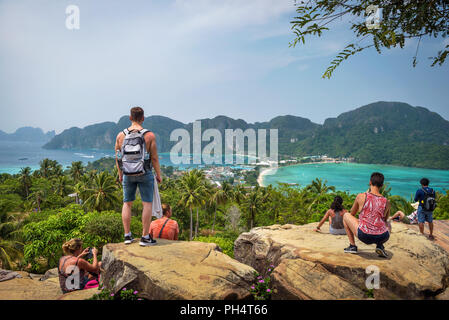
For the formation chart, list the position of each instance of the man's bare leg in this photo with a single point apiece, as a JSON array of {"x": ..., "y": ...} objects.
[
  {"x": 146, "y": 217},
  {"x": 351, "y": 225},
  {"x": 431, "y": 229},
  {"x": 126, "y": 216},
  {"x": 421, "y": 227}
]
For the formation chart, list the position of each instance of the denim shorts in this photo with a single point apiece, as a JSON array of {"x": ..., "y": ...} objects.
[
  {"x": 424, "y": 216},
  {"x": 373, "y": 238},
  {"x": 336, "y": 232},
  {"x": 146, "y": 187}
]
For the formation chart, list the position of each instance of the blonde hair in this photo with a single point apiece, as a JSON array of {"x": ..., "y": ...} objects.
[
  {"x": 71, "y": 246},
  {"x": 165, "y": 208}
]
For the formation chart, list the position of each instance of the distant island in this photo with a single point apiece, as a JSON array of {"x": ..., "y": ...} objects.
[
  {"x": 28, "y": 134},
  {"x": 392, "y": 133}
]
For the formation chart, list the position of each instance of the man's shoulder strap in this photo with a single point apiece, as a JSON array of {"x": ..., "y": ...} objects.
[
  {"x": 144, "y": 131},
  {"x": 126, "y": 131}
]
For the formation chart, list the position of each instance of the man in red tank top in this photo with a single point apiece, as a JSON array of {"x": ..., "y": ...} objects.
[{"x": 371, "y": 227}]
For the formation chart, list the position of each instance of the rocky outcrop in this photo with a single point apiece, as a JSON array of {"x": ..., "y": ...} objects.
[
  {"x": 21, "y": 285},
  {"x": 6, "y": 275},
  {"x": 170, "y": 270},
  {"x": 29, "y": 289},
  {"x": 79, "y": 294},
  {"x": 176, "y": 270},
  {"x": 51, "y": 273},
  {"x": 311, "y": 265}
]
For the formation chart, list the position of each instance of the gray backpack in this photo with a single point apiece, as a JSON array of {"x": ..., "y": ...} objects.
[{"x": 133, "y": 153}]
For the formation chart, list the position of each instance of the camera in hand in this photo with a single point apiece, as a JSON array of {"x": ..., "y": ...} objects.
[{"x": 89, "y": 254}]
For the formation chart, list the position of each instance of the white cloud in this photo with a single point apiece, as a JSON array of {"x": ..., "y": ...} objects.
[{"x": 206, "y": 15}]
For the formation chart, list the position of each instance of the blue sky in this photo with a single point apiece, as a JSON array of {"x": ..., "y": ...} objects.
[{"x": 192, "y": 59}]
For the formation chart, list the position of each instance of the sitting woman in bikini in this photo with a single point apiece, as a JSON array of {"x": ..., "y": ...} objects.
[
  {"x": 74, "y": 271},
  {"x": 335, "y": 216}
]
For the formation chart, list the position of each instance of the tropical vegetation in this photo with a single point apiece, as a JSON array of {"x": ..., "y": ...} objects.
[{"x": 41, "y": 209}]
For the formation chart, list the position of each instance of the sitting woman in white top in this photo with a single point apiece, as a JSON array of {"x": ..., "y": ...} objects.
[{"x": 335, "y": 216}]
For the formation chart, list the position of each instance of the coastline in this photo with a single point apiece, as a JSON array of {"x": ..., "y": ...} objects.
[
  {"x": 351, "y": 176},
  {"x": 265, "y": 171}
]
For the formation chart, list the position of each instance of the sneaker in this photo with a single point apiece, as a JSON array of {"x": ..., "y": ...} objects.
[
  {"x": 431, "y": 237},
  {"x": 380, "y": 250},
  {"x": 144, "y": 242},
  {"x": 129, "y": 239},
  {"x": 351, "y": 249}
]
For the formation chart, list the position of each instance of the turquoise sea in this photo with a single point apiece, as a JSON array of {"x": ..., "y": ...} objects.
[
  {"x": 345, "y": 176},
  {"x": 354, "y": 178},
  {"x": 15, "y": 156}
]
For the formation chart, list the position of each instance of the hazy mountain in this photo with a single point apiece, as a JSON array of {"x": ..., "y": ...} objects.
[
  {"x": 102, "y": 135},
  {"x": 28, "y": 134},
  {"x": 381, "y": 132}
]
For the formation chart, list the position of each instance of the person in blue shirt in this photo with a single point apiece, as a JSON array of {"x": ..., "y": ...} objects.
[{"x": 423, "y": 215}]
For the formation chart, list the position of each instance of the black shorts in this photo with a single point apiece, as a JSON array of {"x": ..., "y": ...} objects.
[{"x": 373, "y": 238}]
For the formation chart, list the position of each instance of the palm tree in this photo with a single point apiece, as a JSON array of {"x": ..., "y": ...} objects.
[
  {"x": 25, "y": 180},
  {"x": 62, "y": 186},
  {"x": 115, "y": 174},
  {"x": 253, "y": 203},
  {"x": 317, "y": 189},
  {"x": 76, "y": 170},
  {"x": 78, "y": 190},
  {"x": 49, "y": 168},
  {"x": 219, "y": 196},
  {"x": 101, "y": 195},
  {"x": 86, "y": 180},
  {"x": 275, "y": 201},
  {"x": 192, "y": 194},
  {"x": 168, "y": 184},
  {"x": 45, "y": 168},
  {"x": 204, "y": 194},
  {"x": 238, "y": 194},
  {"x": 37, "y": 197},
  {"x": 57, "y": 170}
]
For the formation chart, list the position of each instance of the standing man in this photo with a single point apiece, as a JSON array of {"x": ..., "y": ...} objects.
[
  {"x": 135, "y": 170},
  {"x": 426, "y": 198}
]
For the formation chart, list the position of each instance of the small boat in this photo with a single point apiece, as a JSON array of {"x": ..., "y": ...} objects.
[{"x": 23, "y": 159}]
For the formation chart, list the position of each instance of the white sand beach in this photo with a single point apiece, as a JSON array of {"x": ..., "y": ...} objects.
[{"x": 264, "y": 172}]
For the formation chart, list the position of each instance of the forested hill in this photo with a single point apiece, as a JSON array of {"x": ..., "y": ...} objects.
[{"x": 382, "y": 132}]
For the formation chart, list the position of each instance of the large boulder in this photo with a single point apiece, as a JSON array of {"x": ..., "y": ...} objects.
[
  {"x": 29, "y": 289},
  {"x": 80, "y": 294},
  {"x": 176, "y": 270},
  {"x": 311, "y": 265}
]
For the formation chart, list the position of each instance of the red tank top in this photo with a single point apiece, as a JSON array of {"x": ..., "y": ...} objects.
[{"x": 371, "y": 217}]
